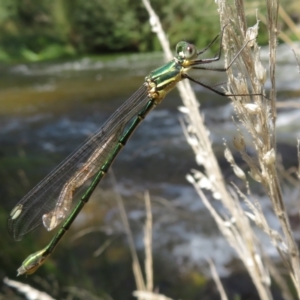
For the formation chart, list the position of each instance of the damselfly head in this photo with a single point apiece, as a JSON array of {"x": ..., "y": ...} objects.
[{"x": 186, "y": 50}]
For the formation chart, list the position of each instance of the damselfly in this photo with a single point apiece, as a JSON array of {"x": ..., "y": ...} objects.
[{"x": 50, "y": 201}]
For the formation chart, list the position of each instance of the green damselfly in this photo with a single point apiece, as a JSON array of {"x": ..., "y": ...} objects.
[{"x": 50, "y": 201}]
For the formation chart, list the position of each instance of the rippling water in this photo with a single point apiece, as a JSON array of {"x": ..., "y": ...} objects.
[{"x": 48, "y": 110}]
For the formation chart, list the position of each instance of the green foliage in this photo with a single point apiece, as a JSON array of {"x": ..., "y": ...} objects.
[
  {"x": 49, "y": 29},
  {"x": 26, "y": 27},
  {"x": 104, "y": 26},
  {"x": 189, "y": 22}
]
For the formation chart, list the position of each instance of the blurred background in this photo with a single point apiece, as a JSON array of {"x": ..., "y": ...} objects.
[{"x": 65, "y": 67}]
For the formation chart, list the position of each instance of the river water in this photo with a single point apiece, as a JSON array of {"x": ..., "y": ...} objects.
[{"x": 48, "y": 109}]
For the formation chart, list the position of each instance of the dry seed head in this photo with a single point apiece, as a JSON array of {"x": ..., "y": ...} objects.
[
  {"x": 251, "y": 34},
  {"x": 236, "y": 81},
  {"x": 230, "y": 222},
  {"x": 216, "y": 195},
  {"x": 227, "y": 224},
  {"x": 261, "y": 73},
  {"x": 231, "y": 80},
  {"x": 241, "y": 84},
  {"x": 192, "y": 141},
  {"x": 284, "y": 248},
  {"x": 228, "y": 156},
  {"x": 269, "y": 157},
  {"x": 239, "y": 142},
  {"x": 259, "y": 143},
  {"x": 252, "y": 108},
  {"x": 255, "y": 174},
  {"x": 264, "y": 176},
  {"x": 239, "y": 172},
  {"x": 263, "y": 270},
  {"x": 153, "y": 22},
  {"x": 258, "y": 128},
  {"x": 204, "y": 183},
  {"x": 250, "y": 215},
  {"x": 183, "y": 109},
  {"x": 190, "y": 129},
  {"x": 276, "y": 236},
  {"x": 208, "y": 132},
  {"x": 190, "y": 178},
  {"x": 198, "y": 175},
  {"x": 200, "y": 159}
]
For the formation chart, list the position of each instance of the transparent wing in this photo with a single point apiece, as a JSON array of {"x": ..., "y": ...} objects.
[{"x": 49, "y": 201}]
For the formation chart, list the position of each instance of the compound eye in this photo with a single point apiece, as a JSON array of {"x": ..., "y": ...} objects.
[
  {"x": 190, "y": 51},
  {"x": 185, "y": 50}
]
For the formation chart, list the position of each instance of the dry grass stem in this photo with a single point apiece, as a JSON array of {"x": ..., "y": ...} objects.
[
  {"x": 217, "y": 280},
  {"x": 138, "y": 275},
  {"x": 289, "y": 22},
  {"x": 103, "y": 247},
  {"x": 261, "y": 123},
  {"x": 278, "y": 277},
  {"x": 81, "y": 294},
  {"x": 298, "y": 152},
  {"x": 148, "y": 244},
  {"x": 145, "y": 295},
  {"x": 144, "y": 289},
  {"x": 288, "y": 104},
  {"x": 244, "y": 242},
  {"x": 239, "y": 234},
  {"x": 157, "y": 28},
  {"x": 298, "y": 63},
  {"x": 258, "y": 115},
  {"x": 28, "y": 291}
]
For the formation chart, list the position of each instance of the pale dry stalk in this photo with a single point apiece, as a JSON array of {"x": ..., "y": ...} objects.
[
  {"x": 240, "y": 234},
  {"x": 217, "y": 280},
  {"x": 148, "y": 244},
  {"x": 258, "y": 114},
  {"x": 137, "y": 271}
]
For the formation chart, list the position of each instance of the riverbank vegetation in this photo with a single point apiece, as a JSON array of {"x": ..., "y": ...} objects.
[{"x": 44, "y": 30}]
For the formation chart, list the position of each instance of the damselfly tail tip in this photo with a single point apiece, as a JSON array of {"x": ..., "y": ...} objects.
[{"x": 33, "y": 262}]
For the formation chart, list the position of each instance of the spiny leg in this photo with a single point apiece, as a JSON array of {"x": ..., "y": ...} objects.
[
  {"x": 217, "y": 57},
  {"x": 206, "y": 48},
  {"x": 204, "y": 85},
  {"x": 219, "y": 92},
  {"x": 220, "y": 69}
]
